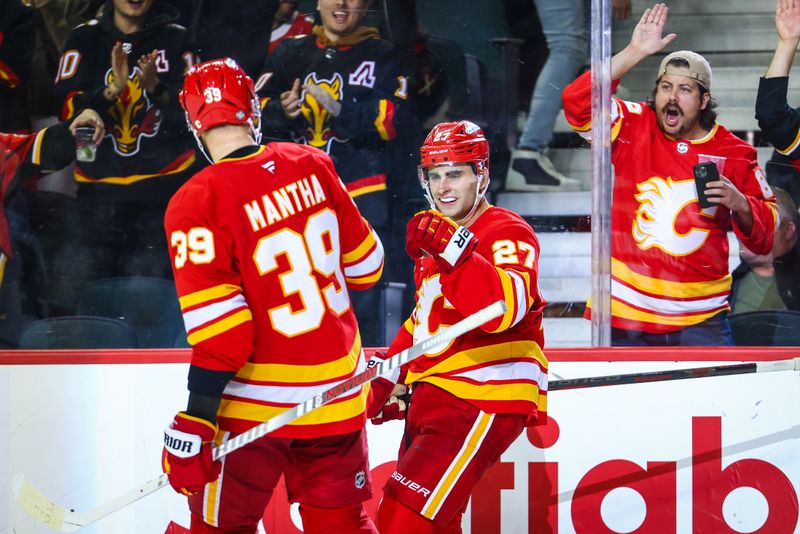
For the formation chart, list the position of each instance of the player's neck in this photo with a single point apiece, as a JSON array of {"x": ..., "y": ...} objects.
[{"x": 223, "y": 140}]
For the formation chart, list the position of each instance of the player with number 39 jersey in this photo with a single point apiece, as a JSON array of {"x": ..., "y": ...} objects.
[{"x": 265, "y": 244}]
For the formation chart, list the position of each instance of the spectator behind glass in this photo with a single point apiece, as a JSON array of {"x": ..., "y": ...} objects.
[
  {"x": 128, "y": 64},
  {"x": 238, "y": 29},
  {"x": 780, "y": 123},
  {"x": 669, "y": 258},
  {"x": 341, "y": 90},
  {"x": 771, "y": 281},
  {"x": 565, "y": 31},
  {"x": 23, "y": 157},
  {"x": 289, "y": 22},
  {"x": 17, "y": 37}
]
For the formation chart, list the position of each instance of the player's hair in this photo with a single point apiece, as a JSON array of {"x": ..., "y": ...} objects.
[{"x": 708, "y": 116}]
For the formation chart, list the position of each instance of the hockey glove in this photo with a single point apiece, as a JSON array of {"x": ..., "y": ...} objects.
[
  {"x": 187, "y": 454},
  {"x": 434, "y": 233},
  {"x": 387, "y": 401}
]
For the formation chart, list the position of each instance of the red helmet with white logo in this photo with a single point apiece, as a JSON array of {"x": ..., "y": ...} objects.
[
  {"x": 219, "y": 92},
  {"x": 453, "y": 143}
]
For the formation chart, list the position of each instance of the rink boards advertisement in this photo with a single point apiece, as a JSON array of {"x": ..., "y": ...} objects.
[{"x": 705, "y": 455}]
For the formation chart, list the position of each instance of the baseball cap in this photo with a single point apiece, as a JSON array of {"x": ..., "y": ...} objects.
[{"x": 699, "y": 69}]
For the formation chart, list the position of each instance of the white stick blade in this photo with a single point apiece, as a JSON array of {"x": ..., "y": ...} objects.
[{"x": 40, "y": 507}]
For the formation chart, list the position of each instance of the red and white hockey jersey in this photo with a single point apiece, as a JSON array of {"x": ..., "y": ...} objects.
[
  {"x": 670, "y": 258},
  {"x": 264, "y": 248},
  {"x": 299, "y": 24},
  {"x": 500, "y": 367}
]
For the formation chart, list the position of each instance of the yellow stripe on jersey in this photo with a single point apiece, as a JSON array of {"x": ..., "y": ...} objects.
[
  {"x": 212, "y": 491},
  {"x": 381, "y": 119},
  {"x": 218, "y": 327},
  {"x": 364, "y": 280},
  {"x": 794, "y": 144},
  {"x": 303, "y": 374},
  {"x": 509, "y": 296},
  {"x": 331, "y": 413},
  {"x": 485, "y": 355},
  {"x": 133, "y": 178},
  {"x": 509, "y": 391},
  {"x": 666, "y": 288},
  {"x": 361, "y": 250},
  {"x": 206, "y": 295},
  {"x": 624, "y": 311},
  {"x": 458, "y": 465},
  {"x": 36, "y": 156}
]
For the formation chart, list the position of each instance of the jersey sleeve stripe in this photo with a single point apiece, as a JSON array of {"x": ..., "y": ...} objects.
[
  {"x": 221, "y": 326},
  {"x": 199, "y": 316},
  {"x": 531, "y": 371},
  {"x": 792, "y": 147},
  {"x": 521, "y": 296},
  {"x": 300, "y": 374},
  {"x": 361, "y": 250},
  {"x": 365, "y": 281},
  {"x": 509, "y": 297},
  {"x": 36, "y": 149},
  {"x": 207, "y": 295},
  {"x": 384, "y": 122},
  {"x": 366, "y": 265}
]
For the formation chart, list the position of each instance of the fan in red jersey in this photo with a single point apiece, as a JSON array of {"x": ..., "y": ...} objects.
[
  {"x": 472, "y": 397},
  {"x": 265, "y": 244},
  {"x": 670, "y": 279}
]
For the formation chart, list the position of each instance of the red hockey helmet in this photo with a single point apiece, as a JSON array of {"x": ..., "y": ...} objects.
[
  {"x": 219, "y": 92},
  {"x": 453, "y": 143}
]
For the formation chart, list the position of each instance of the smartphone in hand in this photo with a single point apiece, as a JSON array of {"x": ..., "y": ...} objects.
[{"x": 703, "y": 174}]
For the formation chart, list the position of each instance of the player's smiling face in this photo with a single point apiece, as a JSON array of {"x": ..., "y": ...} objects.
[
  {"x": 341, "y": 17},
  {"x": 678, "y": 104},
  {"x": 453, "y": 188}
]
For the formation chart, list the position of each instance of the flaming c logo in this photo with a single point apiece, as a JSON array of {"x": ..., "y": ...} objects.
[
  {"x": 318, "y": 133},
  {"x": 135, "y": 117},
  {"x": 660, "y": 203}
]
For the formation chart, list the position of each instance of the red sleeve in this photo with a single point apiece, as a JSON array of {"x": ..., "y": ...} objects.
[
  {"x": 577, "y": 99},
  {"x": 759, "y": 195},
  {"x": 504, "y": 267},
  {"x": 217, "y": 318}
]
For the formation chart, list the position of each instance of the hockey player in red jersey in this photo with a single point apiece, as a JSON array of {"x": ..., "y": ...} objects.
[
  {"x": 473, "y": 396},
  {"x": 265, "y": 244},
  {"x": 669, "y": 275}
]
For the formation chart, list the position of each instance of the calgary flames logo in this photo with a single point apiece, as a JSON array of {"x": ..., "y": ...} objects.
[
  {"x": 135, "y": 117},
  {"x": 660, "y": 202},
  {"x": 318, "y": 133}
]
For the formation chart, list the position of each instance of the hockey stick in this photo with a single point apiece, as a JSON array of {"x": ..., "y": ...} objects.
[
  {"x": 675, "y": 374},
  {"x": 62, "y": 519}
]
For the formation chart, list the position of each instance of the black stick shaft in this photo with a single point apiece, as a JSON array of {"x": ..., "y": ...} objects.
[{"x": 652, "y": 376}]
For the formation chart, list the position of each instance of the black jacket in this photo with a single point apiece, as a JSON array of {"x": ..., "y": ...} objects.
[{"x": 147, "y": 152}]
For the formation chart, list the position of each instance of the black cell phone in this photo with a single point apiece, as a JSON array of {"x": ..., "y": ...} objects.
[{"x": 703, "y": 174}]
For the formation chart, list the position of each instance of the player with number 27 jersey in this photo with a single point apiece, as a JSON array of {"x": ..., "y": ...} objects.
[{"x": 264, "y": 247}]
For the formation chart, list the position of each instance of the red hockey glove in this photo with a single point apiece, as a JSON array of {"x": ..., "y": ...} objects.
[
  {"x": 432, "y": 232},
  {"x": 387, "y": 401},
  {"x": 187, "y": 454}
]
